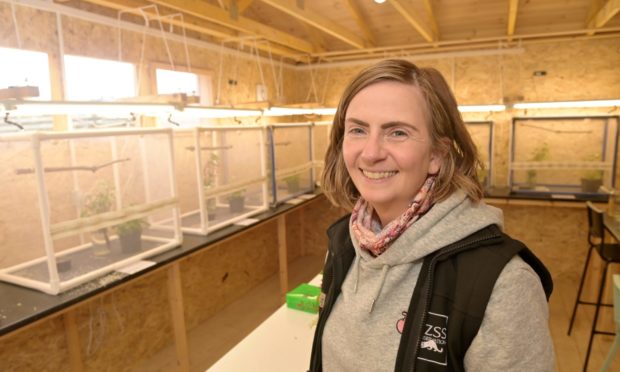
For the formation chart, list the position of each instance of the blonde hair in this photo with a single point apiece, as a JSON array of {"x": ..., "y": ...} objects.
[{"x": 448, "y": 134}]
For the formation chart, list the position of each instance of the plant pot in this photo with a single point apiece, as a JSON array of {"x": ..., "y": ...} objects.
[
  {"x": 211, "y": 209},
  {"x": 63, "y": 264},
  {"x": 236, "y": 205},
  {"x": 100, "y": 242},
  {"x": 292, "y": 185},
  {"x": 591, "y": 185},
  {"x": 131, "y": 242}
]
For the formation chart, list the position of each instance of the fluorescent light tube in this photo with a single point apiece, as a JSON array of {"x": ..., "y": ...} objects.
[
  {"x": 41, "y": 108},
  {"x": 481, "y": 108},
  {"x": 284, "y": 111},
  {"x": 217, "y": 112},
  {"x": 568, "y": 104}
]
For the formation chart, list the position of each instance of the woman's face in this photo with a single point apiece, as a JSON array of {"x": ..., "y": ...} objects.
[{"x": 387, "y": 146}]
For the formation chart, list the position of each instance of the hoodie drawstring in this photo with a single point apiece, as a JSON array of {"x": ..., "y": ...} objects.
[
  {"x": 356, "y": 265},
  {"x": 384, "y": 271}
]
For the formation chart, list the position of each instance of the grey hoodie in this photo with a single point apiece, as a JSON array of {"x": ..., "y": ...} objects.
[{"x": 364, "y": 328}]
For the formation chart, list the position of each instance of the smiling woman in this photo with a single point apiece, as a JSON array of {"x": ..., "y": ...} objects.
[
  {"x": 387, "y": 146},
  {"x": 403, "y": 287}
]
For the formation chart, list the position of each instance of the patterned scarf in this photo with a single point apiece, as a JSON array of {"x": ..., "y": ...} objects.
[{"x": 368, "y": 231}]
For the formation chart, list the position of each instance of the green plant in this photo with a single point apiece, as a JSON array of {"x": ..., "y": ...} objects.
[
  {"x": 131, "y": 226},
  {"x": 99, "y": 201},
  {"x": 592, "y": 174},
  {"x": 210, "y": 170},
  {"x": 239, "y": 194},
  {"x": 292, "y": 183},
  {"x": 540, "y": 153}
]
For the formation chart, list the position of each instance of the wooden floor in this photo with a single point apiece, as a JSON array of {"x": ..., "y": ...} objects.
[
  {"x": 215, "y": 337},
  {"x": 571, "y": 350}
]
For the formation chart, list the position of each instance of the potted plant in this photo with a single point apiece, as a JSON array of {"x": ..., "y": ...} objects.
[
  {"x": 130, "y": 235},
  {"x": 97, "y": 202},
  {"x": 292, "y": 183},
  {"x": 592, "y": 179},
  {"x": 210, "y": 172},
  {"x": 540, "y": 153},
  {"x": 236, "y": 201}
]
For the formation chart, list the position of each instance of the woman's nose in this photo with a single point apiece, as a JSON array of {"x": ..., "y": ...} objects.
[{"x": 373, "y": 149}]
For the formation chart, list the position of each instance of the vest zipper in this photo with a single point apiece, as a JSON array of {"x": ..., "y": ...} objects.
[{"x": 429, "y": 288}]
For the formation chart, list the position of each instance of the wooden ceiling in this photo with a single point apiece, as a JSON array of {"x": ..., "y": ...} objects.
[{"x": 317, "y": 31}]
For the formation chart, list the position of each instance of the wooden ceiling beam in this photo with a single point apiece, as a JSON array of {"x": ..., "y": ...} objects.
[
  {"x": 607, "y": 12},
  {"x": 132, "y": 7},
  {"x": 129, "y": 5},
  {"x": 316, "y": 37},
  {"x": 318, "y": 21},
  {"x": 513, "y": 6},
  {"x": 243, "y": 5},
  {"x": 408, "y": 13},
  {"x": 431, "y": 16},
  {"x": 361, "y": 22},
  {"x": 214, "y": 14}
]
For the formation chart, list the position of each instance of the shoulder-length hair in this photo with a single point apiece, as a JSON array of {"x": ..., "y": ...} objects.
[{"x": 449, "y": 137}]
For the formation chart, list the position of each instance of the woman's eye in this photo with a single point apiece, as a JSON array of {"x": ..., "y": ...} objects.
[
  {"x": 356, "y": 131},
  {"x": 399, "y": 134}
]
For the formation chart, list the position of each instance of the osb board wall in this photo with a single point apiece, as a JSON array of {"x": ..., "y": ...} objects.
[
  {"x": 42, "y": 348},
  {"x": 307, "y": 227},
  {"x": 217, "y": 276},
  {"x": 214, "y": 278},
  {"x": 111, "y": 332},
  {"x": 557, "y": 235}
]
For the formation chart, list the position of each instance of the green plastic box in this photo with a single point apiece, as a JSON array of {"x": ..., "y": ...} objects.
[{"x": 305, "y": 298}]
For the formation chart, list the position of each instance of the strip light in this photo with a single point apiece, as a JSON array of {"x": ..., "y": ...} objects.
[
  {"x": 40, "y": 108},
  {"x": 481, "y": 108},
  {"x": 568, "y": 104},
  {"x": 21, "y": 108},
  {"x": 217, "y": 112},
  {"x": 285, "y": 111}
]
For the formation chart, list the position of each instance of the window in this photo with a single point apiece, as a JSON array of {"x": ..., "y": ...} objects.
[
  {"x": 169, "y": 82},
  {"x": 196, "y": 85},
  {"x": 90, "y": 79},
  {"x": 24, "y": 67}
]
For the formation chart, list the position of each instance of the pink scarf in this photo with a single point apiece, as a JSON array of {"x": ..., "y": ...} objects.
[{"x": 368, "y": 231}]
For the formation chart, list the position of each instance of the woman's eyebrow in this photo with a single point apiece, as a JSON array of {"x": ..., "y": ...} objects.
[
  {"x": 391, "y": 124},
  {"x": 388, "y": 125},
  {"x": 357, "y": 121}
]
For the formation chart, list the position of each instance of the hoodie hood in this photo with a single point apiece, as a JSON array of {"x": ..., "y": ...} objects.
[{"x": 445, "y": 223}]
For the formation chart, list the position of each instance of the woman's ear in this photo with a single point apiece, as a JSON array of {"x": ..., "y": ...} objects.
[{"x": 438, "y": 155}]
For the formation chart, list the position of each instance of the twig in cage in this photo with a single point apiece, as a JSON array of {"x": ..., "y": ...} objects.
[
  {"x": 93, "y": 168},
  {"x": 558, "y": 131},
  {"x": 209, "y": 148}
]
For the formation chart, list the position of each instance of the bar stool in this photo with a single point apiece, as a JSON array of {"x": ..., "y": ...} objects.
[{"x": 609, "y": 253}]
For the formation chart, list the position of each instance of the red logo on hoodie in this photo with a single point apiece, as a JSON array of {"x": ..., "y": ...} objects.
[{"x": 400, "y": 324}]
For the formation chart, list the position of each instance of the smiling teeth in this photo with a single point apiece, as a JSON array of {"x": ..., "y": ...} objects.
[{"x": 378, "y": 175}]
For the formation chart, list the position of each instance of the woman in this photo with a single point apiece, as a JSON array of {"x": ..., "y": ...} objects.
[{"x": 420, "y": 277}]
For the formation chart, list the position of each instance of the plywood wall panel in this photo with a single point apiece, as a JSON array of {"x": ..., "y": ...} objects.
[
  {"x": 41, "y": 348},
  {"x": 125, "y": 326},
  {"x": 558, "y": 236},
  {"x": 217, "y": 276},
  {"x": 318, "y": 217},
  {"x": 36, "y": 28}
]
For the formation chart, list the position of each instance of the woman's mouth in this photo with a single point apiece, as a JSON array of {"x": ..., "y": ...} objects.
[{"x": 378, "y": 175}]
